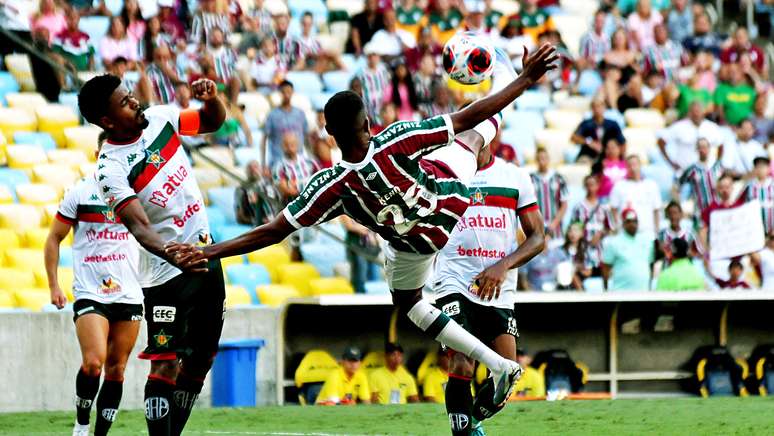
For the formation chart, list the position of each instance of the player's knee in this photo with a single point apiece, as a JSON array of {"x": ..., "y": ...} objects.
[
  {"x": 164, "y": 368},
  {"x": 92, "y": 365},
  {"x": 461, "y": 364},
  {"x": 405, "y": 300},
  {"x": 115, "y": 371}
]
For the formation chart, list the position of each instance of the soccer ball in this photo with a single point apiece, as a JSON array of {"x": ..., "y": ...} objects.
[{"x": 469, "y": 58}]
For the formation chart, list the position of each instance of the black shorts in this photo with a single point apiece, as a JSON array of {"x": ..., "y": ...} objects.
[
  {"x": 112, "y": 311},
  {"x": 484, "y": 322},
  {"x": 185, "y": 315}
]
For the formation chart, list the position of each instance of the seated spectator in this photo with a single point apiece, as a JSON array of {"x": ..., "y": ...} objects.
[
  {"x": 347, "y": 384},
  {"x": 540, "y": 273},
  {"x": 374, "y": 79},
  {"x": 734, "y": 101},
  {"x": 595, "y": 43},
  {"x": 50, "y": 17},
  {"x": 163, "y": 76},
  {"x": 532, "y": 382},
  {"x": 281, "y": 120},
  {"x": 409, "y": 16},
  {"x": 764, "y": 126},
  {"x": 627, "y": 256},
  {"x": 135, "y": 25},
  {"x": 679, "y": 20},
  {"x": 361, "y": 241},
  {"x": 632, "y": 95},
  {"x": 293, "y": 170},
  {"x": 434, "y": 387},
  {"x": 675, "y": 230},
  {"x": 117, "y": 43},
  {"x": 761, "y": 188},
  {"x": 250, "y": 43},
  {"x": 444, "y": 21},
  {"x": 267, "y": 70},
  {"x": 288, "y": 47},
  {"x": 425, "y": 80},
  {"x": 596, "y": 221},
  {"x": 642, "y": 23},
  {"x": 392, "y": 40},
  {"x": 701, "y": 177},
  {"x": 677, "y": 142},
  {"x": 534, "y": 19},
  {"x": 170, "y": 23},
  {"x": 610, "y": 167},
  {"x": 703, "y": 38},
  {"x": 392, "y": 383},
  {"x": 256, "y": 201},
  {"x": 551, "y": 192},
  {"x": 681, "y": 274},
  {"x": 639, "y": 194},
  {"x": 401, "y": 92},
  {"x": 595, "y": 131},
  {"x": 260, "y": 17},
  {"x": 224, "y": 61},
  {"x": 664, "y": 55},
  {"x": 763, "y": 262},
  {"x": 621, "y": 55},
  {"x": 363, "y": 27},
  {"x": 315, "y": 57},
  {"x": 73, "y": 45},
  {"x": 739, "y": 153},
  {"x": 210, "y": 14},
  {"x": 741, "y": 46},
  {"x": 735, "y": 280}
]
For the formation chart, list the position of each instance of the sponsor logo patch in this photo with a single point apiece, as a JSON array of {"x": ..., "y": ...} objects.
[
  {"x": 451, "y": 309},
  {"x": 109, "y": 285},
  {"x": 164, "y": 313}
]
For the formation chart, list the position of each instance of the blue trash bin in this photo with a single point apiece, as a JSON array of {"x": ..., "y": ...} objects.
[{"x": 233, "y": 374}]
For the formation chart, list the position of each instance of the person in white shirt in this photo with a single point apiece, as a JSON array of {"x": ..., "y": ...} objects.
[
  {"x": 391, "y": 40},
  {"x": 639, "y": 194},
  {"x": 740, "y": 152},
  {"x": 678, "y": 141},
  {"x": 763, "y": 262}
]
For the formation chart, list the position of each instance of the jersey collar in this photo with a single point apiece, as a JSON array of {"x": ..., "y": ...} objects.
[{"x": 366, "y": 160}]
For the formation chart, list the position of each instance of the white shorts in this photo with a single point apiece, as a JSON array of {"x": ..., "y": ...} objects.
[
  {"x": 459, "y": 159},
  {"x": 406, "y": 271}
]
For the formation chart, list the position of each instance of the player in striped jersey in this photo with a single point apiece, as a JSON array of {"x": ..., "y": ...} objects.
[
  {"x": 597, "y": 221},
  {"x": 551, "y": 190},
  {"x": 761, "y": 188},
  {"x": 701, "y": 177},
  {"x": 409, "y": 185},
  {"x": 675, "y": 230}
]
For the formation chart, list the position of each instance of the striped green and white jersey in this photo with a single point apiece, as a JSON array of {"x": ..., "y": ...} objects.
[
  {"x": 412, "y": 203},
  {"x": 702, "y": 177}
]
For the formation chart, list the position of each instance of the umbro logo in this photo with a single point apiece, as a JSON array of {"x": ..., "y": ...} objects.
[{"x": 371, "y": 176}]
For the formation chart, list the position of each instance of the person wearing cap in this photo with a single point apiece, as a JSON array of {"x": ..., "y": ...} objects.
[
  {"x": 347, "y": 384},
  {"x": 682, "y": 274},
  {"x": 627, "y": 257},
  {"x": 532, "y": 383},
  {"x": 392, "y": 383},
  {"x": 434, "y": 384},
  {"x": 761, "y": 188},
  {"x": 640, "y": 194}
]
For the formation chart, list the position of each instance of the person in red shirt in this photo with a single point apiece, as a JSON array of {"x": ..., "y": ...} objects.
[
  {"x": 742, "y": 45},
  {"x": 735, "y": 280}
]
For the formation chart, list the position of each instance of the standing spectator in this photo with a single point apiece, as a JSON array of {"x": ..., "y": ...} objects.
[
  {"x": 675, "y": 230},
  {"x": 409, "y": 16},
  {"x": 392, "y": 40},
  {"x": 640, "y": 195},
  {"x": 734, "y": 101},
  {"x": 535, "y": 20},
  {"x": 293, "y": 170},
  {"x": 267, "y": 70},
  {"x": 346, "y": 385},
  {"x": 224, "y": 61},
  {"x": 597, "y": 222},
  {"x": 444, "y": 21},
  {"x": 739, "y": 154},
  {"x": 74, "y": 45},
  {"x": 677, "y": 142},
  {"x": 723, "y": 200},
  {"x": 288, "y": 47},
  {"x": 701, "y": 178},
  {"x": 434, "y": 385},
  {"x": 610, "y": 167},
  {"x": 206, "y": 18},
  {"x": 425, "y": 80},
  {"x": 764, "y": 126},
  {"x": 363, "y": 27},
  {"x": 595, "y": 131},
  {"x": 374, "y": 78},
  {"x": 680, "y": 20},
  {"x": 49, "y": 17},
  {"x": 132, "y": 18},
  {"x": 281, "y": 120},
  {"x": 361, "y": 269},
  {"x": 681, "y": 274},
  {"x": 735, "y": 280},
  {"x": 664, "y": 55},
  {"x": 627, "y": 257},
  {"x": 595, "y": 43},
  {"x": 256, "y": 200},
  {"x": 401, "y": 92},
  {"x": 621, "y": 56},
  {"x": 392, "y": 383},
  {"x": 117, "y": 43},
  {"x": 761, "y": 188},
  {"x": 641, "y": 25},
  {"x": 763, "y": 262},
  {"x": 163, "y": 76},
  {"x": 741, "y": 46},
  {"x": 703, "y": 38},
  {"x": 551, "y": 191},
  {"x": 540, "y": 273}
]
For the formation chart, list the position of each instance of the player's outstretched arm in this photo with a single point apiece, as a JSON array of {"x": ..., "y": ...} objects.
[
  {"x": 535, "y": 66},
  {"x": 213, "y": 112}
]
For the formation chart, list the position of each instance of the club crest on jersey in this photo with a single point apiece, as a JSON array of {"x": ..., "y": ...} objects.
[
  {"x": 109, "y": 215},
  {"x": 478, "y": 197},
  {"x": 155, "y": 159},
  {"x": 109, "y": 286}
]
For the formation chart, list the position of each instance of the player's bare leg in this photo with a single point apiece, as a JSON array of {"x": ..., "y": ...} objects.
[
  {"x": 92, "y": 331},
  {"x": 121, "y": 339}
]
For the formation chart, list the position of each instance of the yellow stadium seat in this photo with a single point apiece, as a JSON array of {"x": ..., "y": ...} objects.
[
  {"x": 3, "y": 145},
  {"x": 9, "y": 239},
  {"x": 7, "y": 300},
  {"x": 373, "y": 360},
  {"x": 57, "y": 176},
  {"x": 24, "y": 258},
  {"x": 20, "y": 216},
  {"x": 555, "y": 142},
  {"x": 87, "y": 169},
  {"x": 276, "y": 295},
  {"x": 14, "y": 120},
  {"x": 233, "y": 260},
  {"x": 565, "y": 120},
  {"x": 6, "y": 196},
  {"x": 21, "y": 69},
  {"x": 65, "y": 277},
  {"x": 32, "y": 298},
  {"x": 577, "y": 103},
  {"x": 271, "y": 258},
  {"x": 650, "y": 118},
  {"x": 24, "y": 157},
  {"x": 27, "y": 101},
  {"x": 54, "y": 119},
  {"x": 48, "y": 213},
  {"x": 574, "y": 173},
  {"x": 82, "y": 138},
  {"x": 36, "y": 194},
  {"x": 71, "y": 158},
  {"x": 237, "y": 296},
  {"x": 12, "y": 278},
  {"x": 36, "y": 238},
  {"x": 298, "y": 275},
  {"x": 330, "y": 285},
  {"x": 314, "y": 367}
]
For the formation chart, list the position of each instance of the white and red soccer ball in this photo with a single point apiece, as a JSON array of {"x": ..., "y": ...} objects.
[{"x": 469, "y": 58}]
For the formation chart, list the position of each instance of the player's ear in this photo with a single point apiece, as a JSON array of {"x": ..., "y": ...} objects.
[{"x": 105, "y": 122}]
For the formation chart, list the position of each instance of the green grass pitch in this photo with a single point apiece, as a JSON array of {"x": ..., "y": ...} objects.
[{"x": 717, "y": 416}]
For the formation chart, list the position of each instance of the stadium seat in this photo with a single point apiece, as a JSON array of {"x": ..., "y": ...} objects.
[
  {"x": 324, "y": 255},
  {"x": 237, "y": 296},
  {"x": 36, "y": 238},
  {"x": 70, "y": 99},
  {"x": 574, "y": 173},
  {"x": 32, "y": 298},
  {"x": 223, "y": 200},
  {"x": 24, "y": 258},
  {"x": 614, "y": 115},
  {"x": 305, "y": 82},
  {"x": 276, "y": 295},
  {"x": 372, "y": 361},
  {"x": 208, "y": 178},
  {"x": 66, "y": 257},
  {"x": 82, "y": 138},
  {"x": 9, "y": 239},
  {"x": 663, "y": 176},
  {"x": 533, "y": 100},
  {"x": 71, "y": 158},
  {"x": 6, "y": 195},
  {"x": 65, "y": 276},
  {"x": 20, "y": 216},
  {"x": 7, "y": 300},
  {"x": 298, "y": 275},
  {"x": 317, "y": 7},
  {"x": 525, "y": 122},
  {"x": 352, "y": 63},
  {"x": 245, "y": 155},
  {"x": 48, "y": 212},
  {"x": 589, "y": 83},
  {"x": 59, "y": 177},
  {"x": 95, "y": 26},
  {"x": 377, "y": 287},
  {"x": 3, "y": 145},
  {"x": 311, "y": 374},
  {"x": 577, "y": 103},
  {"x": 54, "y": 119},
  {"x": 336, "y": 81},
  {"x": 640, "y": 141},
  {"x": 256, "y": 105},
  {"x": 41, "y": 139},
  {"x": 222, "y": 155},
  {"x": 272, "y": 258},
  {"x": 14, "y": 278},
  {"x": 19, "y": 66},
  {"x": 562, "y": 119},
  {"x": 87, "y": 168},
  {"x": 555, "y": 141},
  {"x": 350, "y": 7},
  {"x": 28, "y": 101},
  {"x": 644, "y": 118},
  {"x": 8, "y": 85},
  {"x": 231, "y": 260},
  {"x": 298, "y": 100},
  {"x": 229, "y": 231},
  {"x": 24, "y": 157},
  {"x": 215, "y": 217},
  {"x": 36, "y": 194},
  {"x": 248, "y": 276},
  {"x": 330, "y": 286}
]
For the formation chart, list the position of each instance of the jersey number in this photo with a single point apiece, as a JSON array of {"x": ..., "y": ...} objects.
[{"x": 411, "y": 198}]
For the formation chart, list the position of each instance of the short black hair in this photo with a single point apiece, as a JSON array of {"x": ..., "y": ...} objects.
[
  {"x": 94, "y": 98},
  {"x": 120, "y": 60},
  {"x": 341, "y": 111},
  {"x": 735, "y": 263},
  {"x": 679, "y": 248},
  {"x": 285, "y": 83},
  {"x": 673, "y": 204},
  {"x": 391, "y": 347}
]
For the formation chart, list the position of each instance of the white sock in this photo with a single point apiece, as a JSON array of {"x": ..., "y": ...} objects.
[
  {"x": 488, "y": 128},
  {"x": 445, "y": 330}
]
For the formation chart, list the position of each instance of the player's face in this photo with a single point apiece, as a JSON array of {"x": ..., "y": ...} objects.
[{"x": 125, "y": 114}]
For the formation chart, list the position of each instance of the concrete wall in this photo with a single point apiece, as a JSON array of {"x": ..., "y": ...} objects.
[{"x": 39, "y": 358}]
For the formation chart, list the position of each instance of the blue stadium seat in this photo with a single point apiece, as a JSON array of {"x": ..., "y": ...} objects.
[
  {"x": 613, "y": 115},
  {"x": 96, "y": 27},
  {"x": 523, "y": 121},
  {"x": 41, "y": 139},
  {"x": 377, "y": 287},
  {"x": 223, "y": 199},
  {"x": 305, "y": 82},
  {"x": 65, "y": 257},
  {"x": 589, "y": 83},
  {"x": 318, "y": 100},
  {"x": 523, "y": 143},
  {"x": 229, "y": 231},
  {"x": 324, "y": 256},
  {"x": 249, "y": 277},
  {"x": 336, "y": 81},
  {"x": 318, "y": 8},
  {"x": 8, "y": 84},
  {"x": 352, "y": 63},
  {"x": 12, "y": 177},
  {"x": 70, "y": 99},
  {"x": 571, "y": 153},
  {"x": 215, "y": 217},
  {"x": 243, "y": 155},
  {"x": 534, "y": 100}
]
